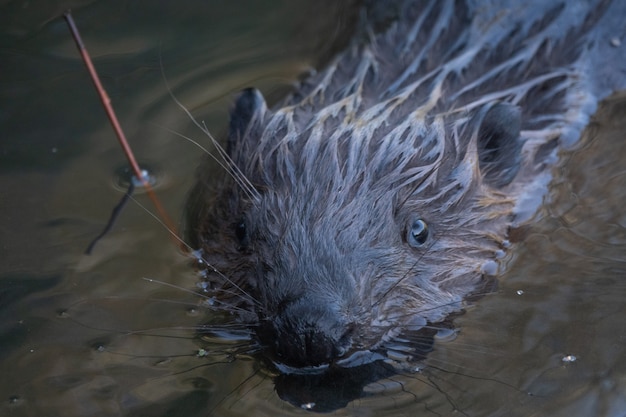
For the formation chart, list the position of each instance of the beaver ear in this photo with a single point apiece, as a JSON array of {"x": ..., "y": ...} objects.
[
  {"x": 245, "y": 116},
  {"x": 499, "y": 144}
]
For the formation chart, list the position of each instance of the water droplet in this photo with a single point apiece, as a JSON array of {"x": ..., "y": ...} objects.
[
  {"x": 569, "y": 358},
  {"x": 145, "y": 177},
  {"x": 124, "y": 175},
  {"x": 99, "y": 345},
  {"x": 490, "y": 268},
  {"x": 307, "y": 406},
  {"x": 519, "y": 292}
]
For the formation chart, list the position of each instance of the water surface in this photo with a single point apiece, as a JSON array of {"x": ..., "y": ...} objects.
[{"x": 89, "y": 335}]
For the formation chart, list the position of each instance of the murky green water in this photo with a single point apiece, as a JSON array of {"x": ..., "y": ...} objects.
[{"x": 89, "y": 335}]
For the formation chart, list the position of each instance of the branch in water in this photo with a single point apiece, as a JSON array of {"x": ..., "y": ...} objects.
[{"x": 106, "y": 102}]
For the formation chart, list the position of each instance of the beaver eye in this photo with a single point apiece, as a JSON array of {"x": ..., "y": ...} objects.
[
  {"x": 418, "y": 233},
  {"x": 241, "y": 231}
]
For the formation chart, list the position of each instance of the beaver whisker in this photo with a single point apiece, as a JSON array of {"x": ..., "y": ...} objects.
[
  {"x": 407, "y": 274},
  {"x": 183, "y": 289},
  {"x": 211, "y": 301},
  {"x": 411, "y": 271},
  {"x": 244, "y": 295},
  {"x": 233, "y": 169},
  {"x": 247, "y": 297},
  {"x": 240, "y": 329},
  {"x": 468, "y": 348},
  {"x": 226, "y": 162}
]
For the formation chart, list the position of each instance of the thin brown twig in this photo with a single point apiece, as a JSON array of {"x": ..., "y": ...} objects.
[{"x": 106, "y": 102}]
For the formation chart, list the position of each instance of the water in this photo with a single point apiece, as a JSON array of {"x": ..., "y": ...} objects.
[{"x": 88, "y": 335}]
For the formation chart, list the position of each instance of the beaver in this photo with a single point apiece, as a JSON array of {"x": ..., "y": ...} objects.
[{"x": 377, "y": 198}]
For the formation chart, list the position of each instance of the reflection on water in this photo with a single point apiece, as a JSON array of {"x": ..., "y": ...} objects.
[{"x": 88, "y": 335}]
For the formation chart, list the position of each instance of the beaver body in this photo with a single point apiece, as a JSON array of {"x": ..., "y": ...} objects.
[{"x": 378, "y": 197}]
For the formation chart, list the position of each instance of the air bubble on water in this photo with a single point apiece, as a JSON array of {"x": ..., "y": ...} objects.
[
  {"x": 146, "y": 177},
  {"x": 307, "y": 406},
  {"x": 417, "y": 369},
  {"x": 569, "y": 358},
  {"x": 519, "y": 292},
  {"x": 125, "y": 175}
]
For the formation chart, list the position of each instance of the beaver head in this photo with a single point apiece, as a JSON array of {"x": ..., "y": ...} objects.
[{"x": 339, "y": 242}]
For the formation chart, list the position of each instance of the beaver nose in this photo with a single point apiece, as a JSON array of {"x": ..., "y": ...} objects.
[
  {"x": 306, "y": 335},
  {"x": 308, "y": 346}
]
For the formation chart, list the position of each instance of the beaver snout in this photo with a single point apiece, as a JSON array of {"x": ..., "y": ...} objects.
[{"x": 306, "y": 333}]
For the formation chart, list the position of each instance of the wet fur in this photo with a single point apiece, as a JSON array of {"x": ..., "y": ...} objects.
[{"x": 452, "y": 114}]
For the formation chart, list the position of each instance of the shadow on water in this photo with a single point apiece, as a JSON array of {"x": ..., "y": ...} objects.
[
  {"x": 87, "y": 335},
  {"x": 331, "y": 390}
]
